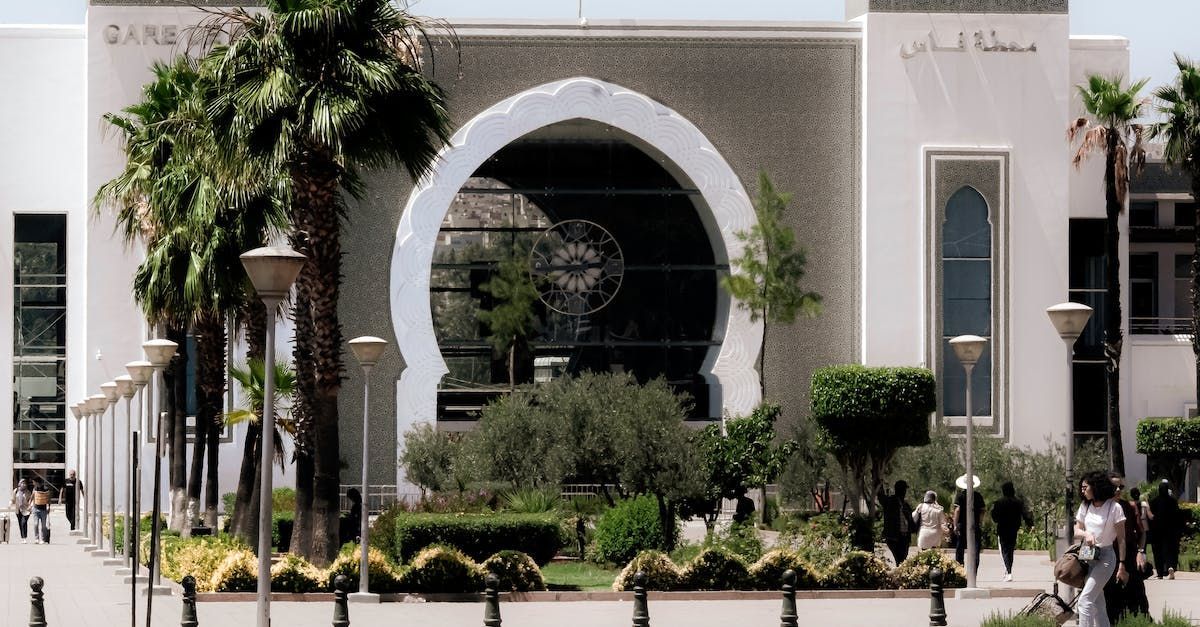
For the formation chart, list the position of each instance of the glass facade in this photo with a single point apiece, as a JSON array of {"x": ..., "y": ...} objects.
[
  {"x": 966, "y": 300},
  {"x": 1087, "y": 286},
  {"x": 656, "y": 321},
  {"x": 39, "y": 346}
]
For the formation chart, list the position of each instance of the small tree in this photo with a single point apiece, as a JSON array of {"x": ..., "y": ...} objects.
[
  {"x": 864, "y": 415},
  {"x": 429, "y": 458},
  {"x": 510, "y": 320},
  {"x": 1174, "y": 442},
  {"x": 769, "y": 271},
  {"x": 746, "y": 457}
]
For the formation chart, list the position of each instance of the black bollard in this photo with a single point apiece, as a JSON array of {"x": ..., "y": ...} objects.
[
  {"x": 341, "y": 611},
  {"x": 37, "y": 610},
  {"x": 788, "y": 617},
  {"x": 491, "y": 602},
  {"x": 641, "y": 612},
  {"x": 937, "y": 603},
  {"x": 189, "y": 603}
]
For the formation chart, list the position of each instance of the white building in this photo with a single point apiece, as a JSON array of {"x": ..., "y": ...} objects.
[{"x": 924, "y": 143}]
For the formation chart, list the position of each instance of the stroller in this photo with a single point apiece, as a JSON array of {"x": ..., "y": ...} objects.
[{"x": 1052, "y": 606}]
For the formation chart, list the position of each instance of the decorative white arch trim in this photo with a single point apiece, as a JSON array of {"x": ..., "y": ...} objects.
[{"x": 729, "y": 368}]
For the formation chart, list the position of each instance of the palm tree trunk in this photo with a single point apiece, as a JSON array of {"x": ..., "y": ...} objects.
[
  {"x": 318, "y": 216},
  {"x": 245, "y": 515},
  {"x": 1113, "y": 338},
  {"x": 1196, "y": 270},
  {"x": 212, "y": 486},
  {"x": 177, "y": 430},
  {"x": 210, "y": 388},
  {"x": 302, "y": 414},
  {"x": 195, "y": 480}
]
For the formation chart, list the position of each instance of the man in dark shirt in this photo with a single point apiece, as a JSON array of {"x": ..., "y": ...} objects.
[
  {"x": 960, "y": 526},
  {"x": 67, "y": 496},
  {"x": 1008, "y": 513},
  {"x": 1165, "y": 530},
  {"x": 1128, "y": 597},
  {"x": 897, "y": 522}
]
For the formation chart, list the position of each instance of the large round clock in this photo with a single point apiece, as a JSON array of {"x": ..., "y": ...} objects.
[{"x": 577, "y": 266}]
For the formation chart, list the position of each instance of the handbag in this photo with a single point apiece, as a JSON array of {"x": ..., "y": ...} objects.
[{"x": 1071, "y": 570}]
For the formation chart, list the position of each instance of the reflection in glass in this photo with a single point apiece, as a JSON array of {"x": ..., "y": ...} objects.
[{"x": 966, "y": 300}]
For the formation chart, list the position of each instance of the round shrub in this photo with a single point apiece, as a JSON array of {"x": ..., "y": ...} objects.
[
  {"x": 714, "y": 569},
  {"x": 238, "y": 572},
  {"x": 294, "y": 574},
  {"x": 767, "y": 572},
  {"x": 442, "y": 569},
  {"x": 858, "y": 570},
  {"x": 383, "y": 574},
  {"x": 661, "y": 572},
  {"x": 913, "y": 574},
  {"x": 629, "y": 528},
  {"x": 198, "y": 557},
  {"x": 516, "y": 570}
]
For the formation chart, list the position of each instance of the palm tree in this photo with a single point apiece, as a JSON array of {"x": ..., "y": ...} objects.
[
  {"x": 195, "y": 225},
  {"x": 323, "y": 90},
  {"x": 1179, "y": 104},
  {"x": 1111, "y": 127}
]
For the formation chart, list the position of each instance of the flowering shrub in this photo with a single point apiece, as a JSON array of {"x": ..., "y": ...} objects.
[
  {"x": 714, "y": 569},
  {"x": 661, "y": 572},
  {"x": 516, "y": 571},
  {"x": 858, "y": 570},
  {"x": 767, "y": 572},
  {"x": 383, "y": 573},
  {"x": 442, "y": 569},
  {"x": 238, "y": 572},
  {"x": 914, "y": 572},
  {"x": 198, "y": 557},
  {"x": 294, "y": 574}
]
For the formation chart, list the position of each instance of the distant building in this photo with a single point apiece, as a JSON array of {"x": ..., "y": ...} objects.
[{"x": 924, "y": 146}]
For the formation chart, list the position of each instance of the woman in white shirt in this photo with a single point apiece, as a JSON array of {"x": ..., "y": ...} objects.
[
  {"x": 930, "y": 518},
  {"x": 1099, "y": 522}
]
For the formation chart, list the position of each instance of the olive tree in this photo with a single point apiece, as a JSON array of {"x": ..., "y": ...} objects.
[{"x": 864, "y": 415}]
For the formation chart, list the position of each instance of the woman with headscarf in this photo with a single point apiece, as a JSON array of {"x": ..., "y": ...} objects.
[
  {"x": 22, "y": 502},
  {"x": 930, "y": 519}
]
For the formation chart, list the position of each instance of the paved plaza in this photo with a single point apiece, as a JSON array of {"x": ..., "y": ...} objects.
[{"x": 81, "y": 592}]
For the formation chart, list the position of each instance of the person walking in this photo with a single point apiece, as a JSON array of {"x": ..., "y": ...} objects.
[
  {"x": 41, "y": 512},
  {"x": 1099, "y": 521},
  {"x": 1128, "y": 597},
  {"x": 1008, "y": 512},
  {"x": 68, "y": 494},
  {"x": 960, "y": 521},
  {"x": 930, "y": 519},
  {"x": 897, "y": 522},
  {"x": 22, "y": 502},
  {"x": 1165, "y": 530}
]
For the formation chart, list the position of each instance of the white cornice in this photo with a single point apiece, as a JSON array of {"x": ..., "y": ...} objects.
[
  {"x": 604, "y": 28},
  {"x": 42, "y": 31}
]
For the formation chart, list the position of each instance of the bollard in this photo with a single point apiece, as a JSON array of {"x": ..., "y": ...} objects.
[
  {"x": 189, "y": 618},
  {"x": 341, "y": 611},
  {"x": 37, "y": 610},
  {"x": 788, "y": 617},
  {"x": 641, "y": 612},
  {"x": 491, "y": 602},
  {"x": 937, "y": 603}
]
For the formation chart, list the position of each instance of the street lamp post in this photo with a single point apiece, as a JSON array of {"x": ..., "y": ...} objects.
[
  {"x": 272, "y": 271},
  {"x": 78, "y": 413},
  {"x": 125, "y": 390},
  {"x": 1069, "y": 319},
  {"x": 159, "y": 353},
  {"x": 97, "y": 403},
  {"x": 367, "y": 350},
  {"x": 968, "y": 349},
  {"x": 139, "y": 374},
  {"x": 110, "y": 397}
]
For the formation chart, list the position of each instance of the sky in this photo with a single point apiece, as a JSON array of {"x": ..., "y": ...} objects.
[{"x": 1155, "y": 28}]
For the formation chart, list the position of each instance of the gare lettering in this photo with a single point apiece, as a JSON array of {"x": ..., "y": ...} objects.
[{"x": 142, "y": 34}]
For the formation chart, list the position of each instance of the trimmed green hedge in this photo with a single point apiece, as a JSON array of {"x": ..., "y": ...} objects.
[
  {"x": 860, "y": 406},
  {"x": 478, "y": 535},
  {"x": 1170, "y": 437}
]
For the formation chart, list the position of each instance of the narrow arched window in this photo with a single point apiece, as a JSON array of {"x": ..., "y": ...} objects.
[{"x": 966, "y": 299}]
